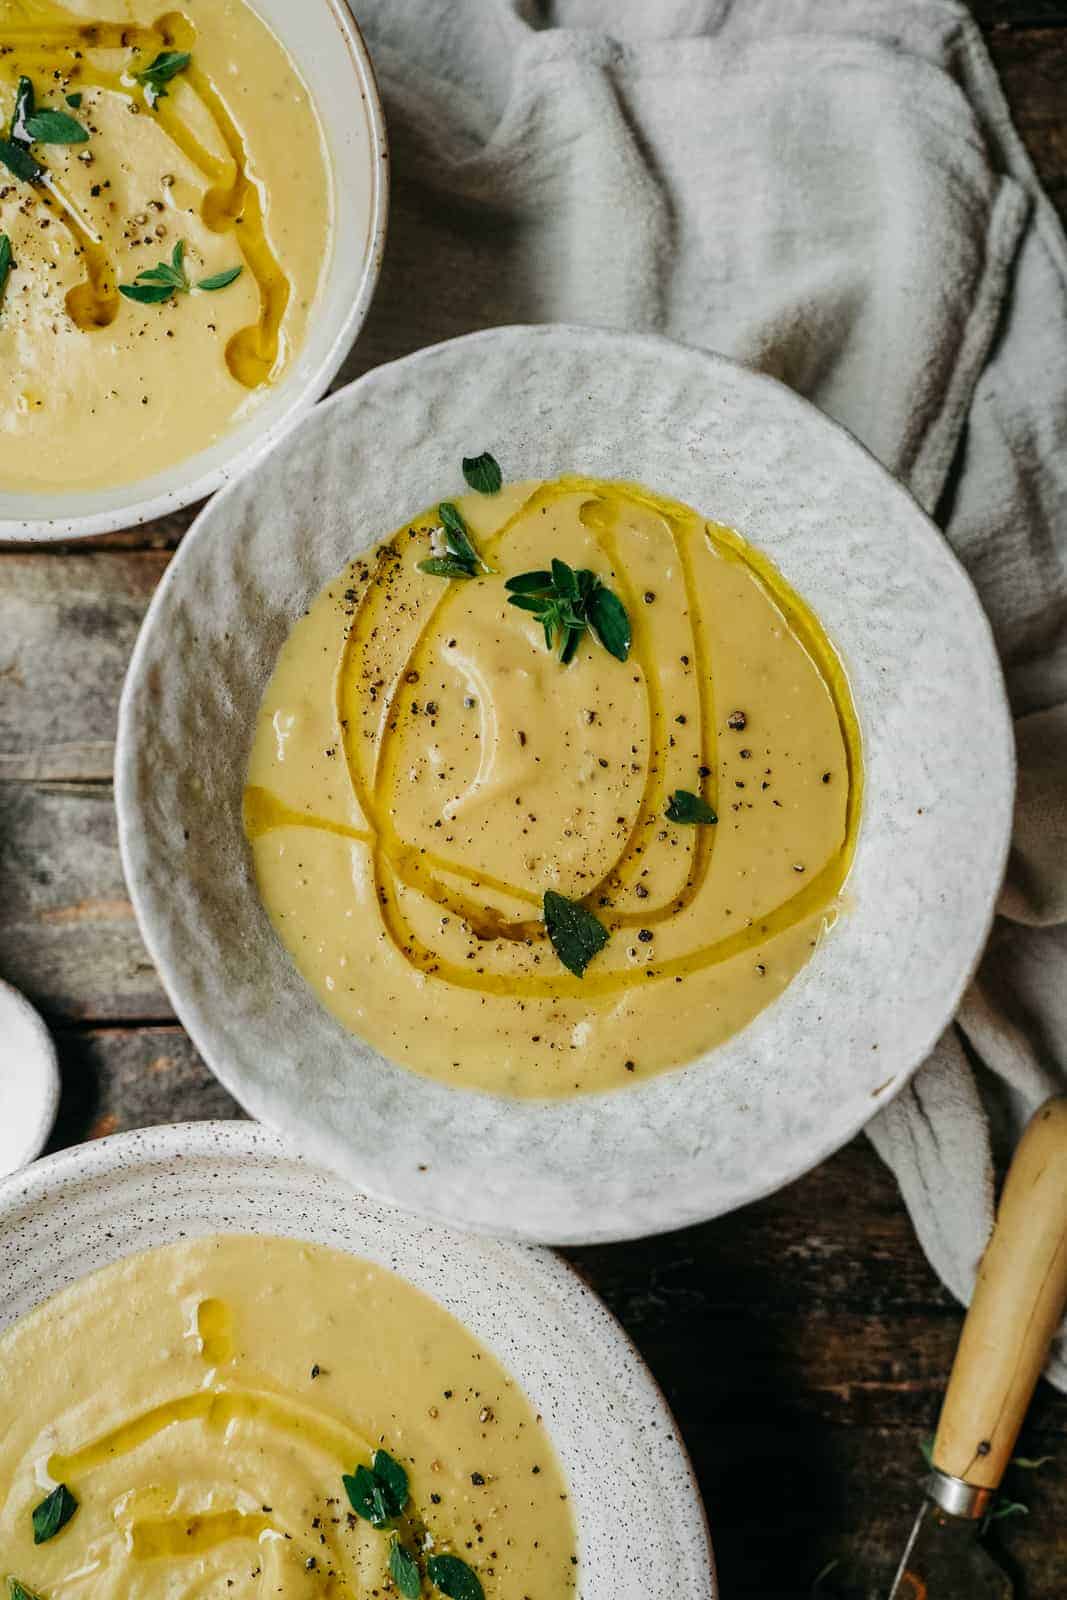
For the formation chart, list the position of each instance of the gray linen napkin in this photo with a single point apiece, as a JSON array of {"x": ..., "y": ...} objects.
[{"x": 831, "y": 191}]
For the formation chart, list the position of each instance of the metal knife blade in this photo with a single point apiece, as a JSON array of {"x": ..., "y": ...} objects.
[{"x": 945, "y": 1560}]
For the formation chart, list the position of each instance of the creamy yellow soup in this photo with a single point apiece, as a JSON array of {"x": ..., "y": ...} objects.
[
  {"x": 425, "y": 767},
  {"x": 202, "y": 1404},
  {"x": 201, "y": 138}
]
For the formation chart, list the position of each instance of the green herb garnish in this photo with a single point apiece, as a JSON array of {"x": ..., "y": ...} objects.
[
  {"x": 366, "y": 1496},
  {"x": 158, "y": 284},
  {"x": 25, "y": 105},
  {"x": 53, "y": 1514},
  {"x": 404, "y": 1570},
  {"x": 220, "y": 280},
  {"x": 576, "y": 935},
  {"x": 17, "y": 159},
  {"x": 462, "y": 559},
  {"x": 446, "y": 567},
  {"x": 685, "y": 806},
  {"x": 5, "y": 262},
  {"x": 483, "y": 473},
  {"x": 155, "y": 77},
  {"x": 379, "y": 1492},
  {"x": 30, "y": 126},
  {"x": 19, "y": 1591},
  {"x": 55, "y": 127},
  {"x": 454, "y": 1578},
  {"x": 566, "y": 603},
  {"x": 393, "y": 1479},
  {"x": 74, "y": 100}
]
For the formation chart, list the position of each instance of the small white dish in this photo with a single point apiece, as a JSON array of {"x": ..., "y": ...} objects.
[
  {"x": 938, "y": 753},
  {"x": 640, "y": 1523},
  {"x": 323, "y": 40},
  {"x": 29, "y": 1081}
]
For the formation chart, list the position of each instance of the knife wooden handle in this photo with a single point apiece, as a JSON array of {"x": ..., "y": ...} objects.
[{"x": 1018, "y": 1301}]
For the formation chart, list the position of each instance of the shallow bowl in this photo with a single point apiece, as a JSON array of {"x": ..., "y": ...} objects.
[
  {"x": 323, "y": 40},
  {"x": 814, "y": 1066},
  {"x": 640, "y": 1523}
]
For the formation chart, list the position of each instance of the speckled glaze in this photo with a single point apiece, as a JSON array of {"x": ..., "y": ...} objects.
[
  {"x": 812, "y": 1068},
  {"x": 641, "y": 1528},
  {"x": 329, "y": 50}
]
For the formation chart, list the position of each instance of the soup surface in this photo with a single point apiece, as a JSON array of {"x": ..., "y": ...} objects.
[
  {"x": 426, "y": 769},
  {"x": 179, "y": 144},
  {"x": 203, "y": 1403}
]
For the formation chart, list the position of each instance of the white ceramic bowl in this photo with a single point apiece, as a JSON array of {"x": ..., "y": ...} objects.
[
  {"x": 29, "y": 1081},
  {"x": 329, "y": 51},
  {"x": 813, "y": 1067},
  {"x": 641, "y": 1528}
]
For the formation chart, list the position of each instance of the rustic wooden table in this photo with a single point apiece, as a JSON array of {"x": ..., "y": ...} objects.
[{"x": 803, "y": 1343}]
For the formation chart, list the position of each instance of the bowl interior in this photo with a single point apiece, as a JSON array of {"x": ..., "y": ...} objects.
[
  {"x": 329, "y": 52},
  {"x": 641, "y": 1528},
  {"x": 844, "y": 1036}
]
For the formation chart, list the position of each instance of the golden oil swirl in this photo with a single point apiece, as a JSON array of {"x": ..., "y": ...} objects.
[
  {"x": 50, "y": 42},
  {"x": 398, "y": 864},
  {"x": 180, "y": 1521}
]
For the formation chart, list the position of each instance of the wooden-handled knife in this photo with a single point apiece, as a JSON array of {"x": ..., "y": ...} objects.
[{"x": 1018, "y": 1302}]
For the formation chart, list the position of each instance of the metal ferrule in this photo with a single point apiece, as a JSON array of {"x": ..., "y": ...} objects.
[{"x": 957, "y": 1497}]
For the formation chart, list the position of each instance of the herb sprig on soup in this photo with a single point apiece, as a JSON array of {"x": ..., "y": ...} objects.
[{"x": 554, "y": 788}]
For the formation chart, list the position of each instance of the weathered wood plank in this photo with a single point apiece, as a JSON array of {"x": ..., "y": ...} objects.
[
  {"x": 68, "y": 937},
  {"x": 115, "y": 1079},
  {"x": 67, "y": 627}
]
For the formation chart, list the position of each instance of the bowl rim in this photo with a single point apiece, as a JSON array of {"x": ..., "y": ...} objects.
[
  {"x": 27, "y": 1194},
  {"x": 61, "y": 530},
  {"x": 834, "y": 1132}
]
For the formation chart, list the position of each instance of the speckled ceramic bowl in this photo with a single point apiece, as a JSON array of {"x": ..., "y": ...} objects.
[
  {"x": 323, "y": 40},
  {"x": 641, "y": 1527},
  {"x": 816, "y": 1064}
]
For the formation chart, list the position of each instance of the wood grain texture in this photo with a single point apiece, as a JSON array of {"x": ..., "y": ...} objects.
[{"x": 803, "y": 1342}]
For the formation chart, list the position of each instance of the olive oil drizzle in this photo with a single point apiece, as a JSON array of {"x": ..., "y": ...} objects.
[
  {"x": 397, "y": 864},
  {"x": 232, "y": 204},
  {"x": 220, "y": 1407}
]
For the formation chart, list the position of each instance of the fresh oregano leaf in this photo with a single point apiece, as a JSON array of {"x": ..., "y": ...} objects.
[
  {"x": 55, "y": 127},
  {"x": 567, "y": 602},
  {"x": 445, "y": 567},
  {"x": 155, "y": 77},
  {"x": 454, "y": 1578},
  {"x": 457, "y": 535},
  {"x": 366, "y": 1496},
  {"x": 684, "y": 806},
  {"x": 576, "y": 935},
  {"x": 5, "y": 263},
  {"x": 19, "y": 1591},
  {"x": 529, "y": 583},
  {"x": 564, "y": 580},
  {"x": 156, "y": 284},
  {"x": 74, "y": 100},
  {"x": 220, "y": 280},
  {"x": 404, "y": 1570},
  {"x": 19, "y": 161},
  {"x": 393, "y": 1479},
  {"x": 53, "y": 1514},
  {"x": 148, "y": 294},
  {"x": 483, "y": 473},
  {"x": 25, "y": 104},
  {"x": 609, "y": 621}
]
